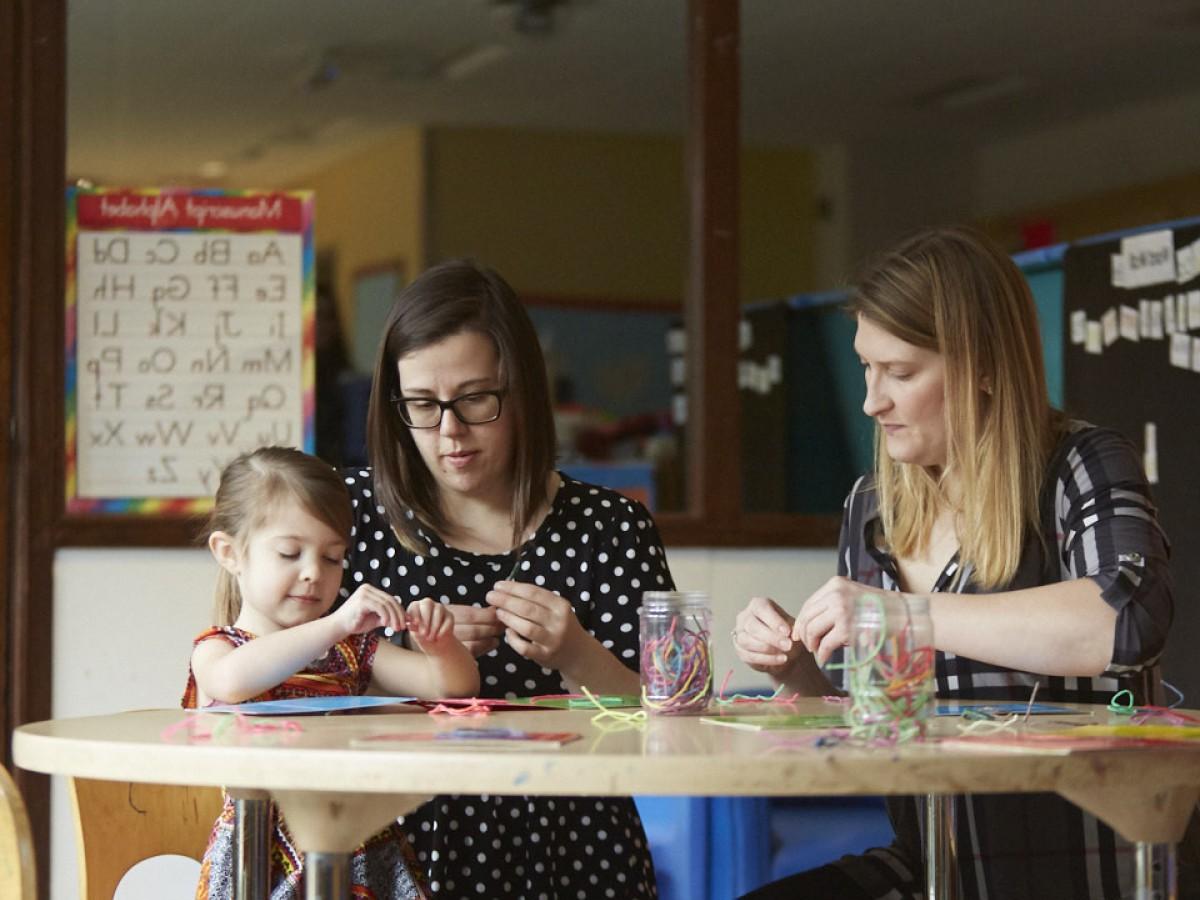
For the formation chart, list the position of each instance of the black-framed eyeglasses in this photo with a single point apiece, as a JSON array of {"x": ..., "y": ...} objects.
[{"x": 475, "y": 408}]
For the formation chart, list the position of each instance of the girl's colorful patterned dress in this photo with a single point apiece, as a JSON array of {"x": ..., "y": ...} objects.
[{"x": 381, "y": 869}]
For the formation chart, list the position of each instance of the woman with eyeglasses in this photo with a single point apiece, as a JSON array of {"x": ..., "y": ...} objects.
[{"x": 543, "y": 574}]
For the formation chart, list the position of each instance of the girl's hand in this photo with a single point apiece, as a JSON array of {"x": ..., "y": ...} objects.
[
  {"x": 431, "y": 625},
  {"x": 369, "y": 608},
  {"x": 478, "y": 628},
  {"x": 539, "y": 624},
  {"x": 763, "y": 637},
  {"x": 824, "y": 621}
]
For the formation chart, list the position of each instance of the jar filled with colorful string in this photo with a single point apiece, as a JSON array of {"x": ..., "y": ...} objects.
[
  {"x": 890, "y": 668},
  {"x": 676, "y": 652}
]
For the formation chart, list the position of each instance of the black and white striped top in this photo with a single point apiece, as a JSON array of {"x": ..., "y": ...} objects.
[{"x": 1100, "y": 523}]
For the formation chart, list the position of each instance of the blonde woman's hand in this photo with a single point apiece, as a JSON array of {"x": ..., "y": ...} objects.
[
  {"x": 824, "y": 621},
  {"x": 369, "y": 608},
  {"x": 762, "y": 637},
  {"x": 539, "y": 624},
  {"x": 431, "y": 625}
]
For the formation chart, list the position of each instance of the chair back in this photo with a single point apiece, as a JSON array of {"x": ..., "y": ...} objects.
[
  {"x": 120, "y": 823},
  {"x": 18, "y": 874}
]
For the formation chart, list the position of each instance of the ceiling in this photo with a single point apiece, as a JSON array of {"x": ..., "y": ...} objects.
[{"x": 256, "y": 93}]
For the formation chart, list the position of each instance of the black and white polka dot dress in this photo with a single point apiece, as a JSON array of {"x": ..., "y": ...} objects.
[{"x": 601, "y": 551}]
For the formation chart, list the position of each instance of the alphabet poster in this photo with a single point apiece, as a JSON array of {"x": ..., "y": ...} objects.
[{"x": 189, "y": 339}]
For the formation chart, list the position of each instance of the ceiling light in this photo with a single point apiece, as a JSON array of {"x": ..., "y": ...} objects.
[
  {"x": 214, "y": 168},
  {"x": 533, "y": 18}
]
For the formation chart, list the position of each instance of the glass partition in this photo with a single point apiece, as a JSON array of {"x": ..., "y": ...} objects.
[{"x": 545, "y": 140}]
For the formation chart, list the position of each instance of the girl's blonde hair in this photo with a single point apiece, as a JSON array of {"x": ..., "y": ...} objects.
[
  {"x": 953, "y": 291},
  {"x": 251, "y": 488}
]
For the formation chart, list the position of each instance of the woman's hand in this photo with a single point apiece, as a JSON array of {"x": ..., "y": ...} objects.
[
  {"x": 438, "y": 665},
  {"x": 763, "y": 637},
  {"x": 431, "y": 626},
  {"x": 369, "y": 608},
  {"x": 824, "y": 621},
  {"x": 478, "y": 628},
  {"x": 538, "y": 624}
]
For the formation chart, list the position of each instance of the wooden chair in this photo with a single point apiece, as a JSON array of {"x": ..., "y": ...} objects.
[
  {"x": 18, "y": 874},
  {"x": 120, "y": 823}
]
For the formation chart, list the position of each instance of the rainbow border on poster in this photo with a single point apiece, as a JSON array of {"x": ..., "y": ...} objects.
[{"x": 177, "y": 506}]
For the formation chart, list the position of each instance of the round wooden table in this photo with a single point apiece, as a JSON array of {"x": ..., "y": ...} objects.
[{"x": 337, "y": 781}]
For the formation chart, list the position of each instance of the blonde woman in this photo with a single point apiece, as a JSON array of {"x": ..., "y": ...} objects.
[{"x": 1034, "y": 536}]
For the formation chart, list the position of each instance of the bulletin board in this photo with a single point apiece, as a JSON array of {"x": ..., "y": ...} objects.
[
  {"x": 1131, "y": 310},
  {"x": 189, "y": 339}
]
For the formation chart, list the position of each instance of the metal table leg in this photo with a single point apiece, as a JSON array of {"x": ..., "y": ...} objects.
[
  {"x": 1170, "y": 874},
  {"x": 326, "y": 876},
  {"x": 329, "y": 826},
  {"x": 1149, "y": 887},
  {"x": 252, "y": 838},
  {"x": 941, "y": 881}
]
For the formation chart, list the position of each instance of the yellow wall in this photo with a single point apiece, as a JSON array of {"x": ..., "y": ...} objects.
[
  {"x": 370, "y": 211},
  {"x": 589, "y": 216},
  {"x": 568, "y": 216},
  {"x": 778, "y": 223},
  {"x": 564, "y": 215}
]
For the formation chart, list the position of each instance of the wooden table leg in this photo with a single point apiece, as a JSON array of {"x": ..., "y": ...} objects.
[
  {"x": 328, "y": 827},
  {"x": 252, "y": 844},
  {"x": 941, "y": 882}
]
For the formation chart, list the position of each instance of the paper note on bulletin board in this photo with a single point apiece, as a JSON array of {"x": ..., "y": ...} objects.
[{"x": 189, "y": 340}]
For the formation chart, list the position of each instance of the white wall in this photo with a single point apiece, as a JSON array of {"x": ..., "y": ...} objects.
[
  {"x": 124, "y": 621},
  {"x": 123, "y": 625}
]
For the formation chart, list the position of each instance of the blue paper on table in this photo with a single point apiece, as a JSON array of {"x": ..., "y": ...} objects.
[
  {"x": 1002, "y": 708},
  {"x": 301, "y": 706}
]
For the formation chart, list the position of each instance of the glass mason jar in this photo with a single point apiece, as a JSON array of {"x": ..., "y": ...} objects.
[
  {"x": 890, "y": 667},
  {"x": 676, "y": 652}
]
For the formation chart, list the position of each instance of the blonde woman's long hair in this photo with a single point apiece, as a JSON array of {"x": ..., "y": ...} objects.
[
  {"x": 951, "y": 290},
  {"x": 251, "y": 488}
]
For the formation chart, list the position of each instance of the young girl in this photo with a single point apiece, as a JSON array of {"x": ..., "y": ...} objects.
[{"x": 278, "y": 530}]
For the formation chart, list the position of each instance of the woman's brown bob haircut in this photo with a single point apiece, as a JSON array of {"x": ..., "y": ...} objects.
[{"x": 451, "y": 298}]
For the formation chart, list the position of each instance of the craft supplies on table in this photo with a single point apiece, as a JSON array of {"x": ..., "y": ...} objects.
[
  {"x": 1079, "y": 739},
  {"x": 307, "y": 706},
  {"x": 469, "y": 739},
  {"x": 889, "y": 668},
  {"x": 484, "y": 705},
  {"x": 582, "y": 701},
  {"x": 776, "y": 722},
  {"x": 676, "y": 654},
  {"x": 1001, "y": 708}
]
